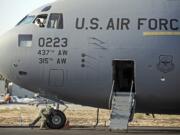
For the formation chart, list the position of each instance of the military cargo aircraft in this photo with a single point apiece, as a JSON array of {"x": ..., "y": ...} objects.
[{"x": 113, "y": 54}]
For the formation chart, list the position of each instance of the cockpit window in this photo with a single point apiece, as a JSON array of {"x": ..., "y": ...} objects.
[
  {"x": 46, "y": 9},
  {"x": 26, "y": 20},
  {"x": 41, "y": 20},
  {"x": 25, "y": 40},
  {"x": 55, "y": 21}
]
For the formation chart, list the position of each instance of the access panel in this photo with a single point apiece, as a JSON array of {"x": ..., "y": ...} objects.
[{"x": 56, "y": 77}]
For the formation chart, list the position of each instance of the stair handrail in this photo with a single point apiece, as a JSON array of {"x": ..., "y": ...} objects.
[
  {"x": 131, "y": 91},
  {"x": 132, "y": 102},
  {"x": 111, "y": 94}
]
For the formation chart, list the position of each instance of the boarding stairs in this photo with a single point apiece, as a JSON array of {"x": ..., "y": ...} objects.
[{"x": 123, "y": 105}]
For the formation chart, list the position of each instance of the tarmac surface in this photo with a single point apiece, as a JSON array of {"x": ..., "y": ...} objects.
[{"x": 90, "y": 131}]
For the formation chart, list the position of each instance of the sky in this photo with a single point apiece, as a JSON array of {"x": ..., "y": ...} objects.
[{"x": 12, "y": 11}]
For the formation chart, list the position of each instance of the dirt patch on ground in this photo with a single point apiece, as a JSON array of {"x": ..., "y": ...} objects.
[{"x": 22, "y": 115}]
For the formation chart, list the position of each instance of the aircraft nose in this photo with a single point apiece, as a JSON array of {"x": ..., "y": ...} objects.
[
  {"x": 6, "y": 53},
  {"x": 2, "y": 59}
]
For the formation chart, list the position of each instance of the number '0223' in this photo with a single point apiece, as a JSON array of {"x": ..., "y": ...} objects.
[{"x": 53, "y": 42}]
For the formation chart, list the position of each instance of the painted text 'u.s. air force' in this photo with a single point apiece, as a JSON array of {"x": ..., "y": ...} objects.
[{"x": 83, "y": 23}]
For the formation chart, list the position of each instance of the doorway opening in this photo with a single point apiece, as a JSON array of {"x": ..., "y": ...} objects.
[{"x": 123, "y": 76}]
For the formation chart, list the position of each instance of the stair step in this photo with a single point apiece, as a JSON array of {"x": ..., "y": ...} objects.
[{"x": 120, "y": 111}]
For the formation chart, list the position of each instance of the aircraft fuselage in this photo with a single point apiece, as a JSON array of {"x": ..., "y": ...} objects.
[{"x": 75, "y": 62}]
